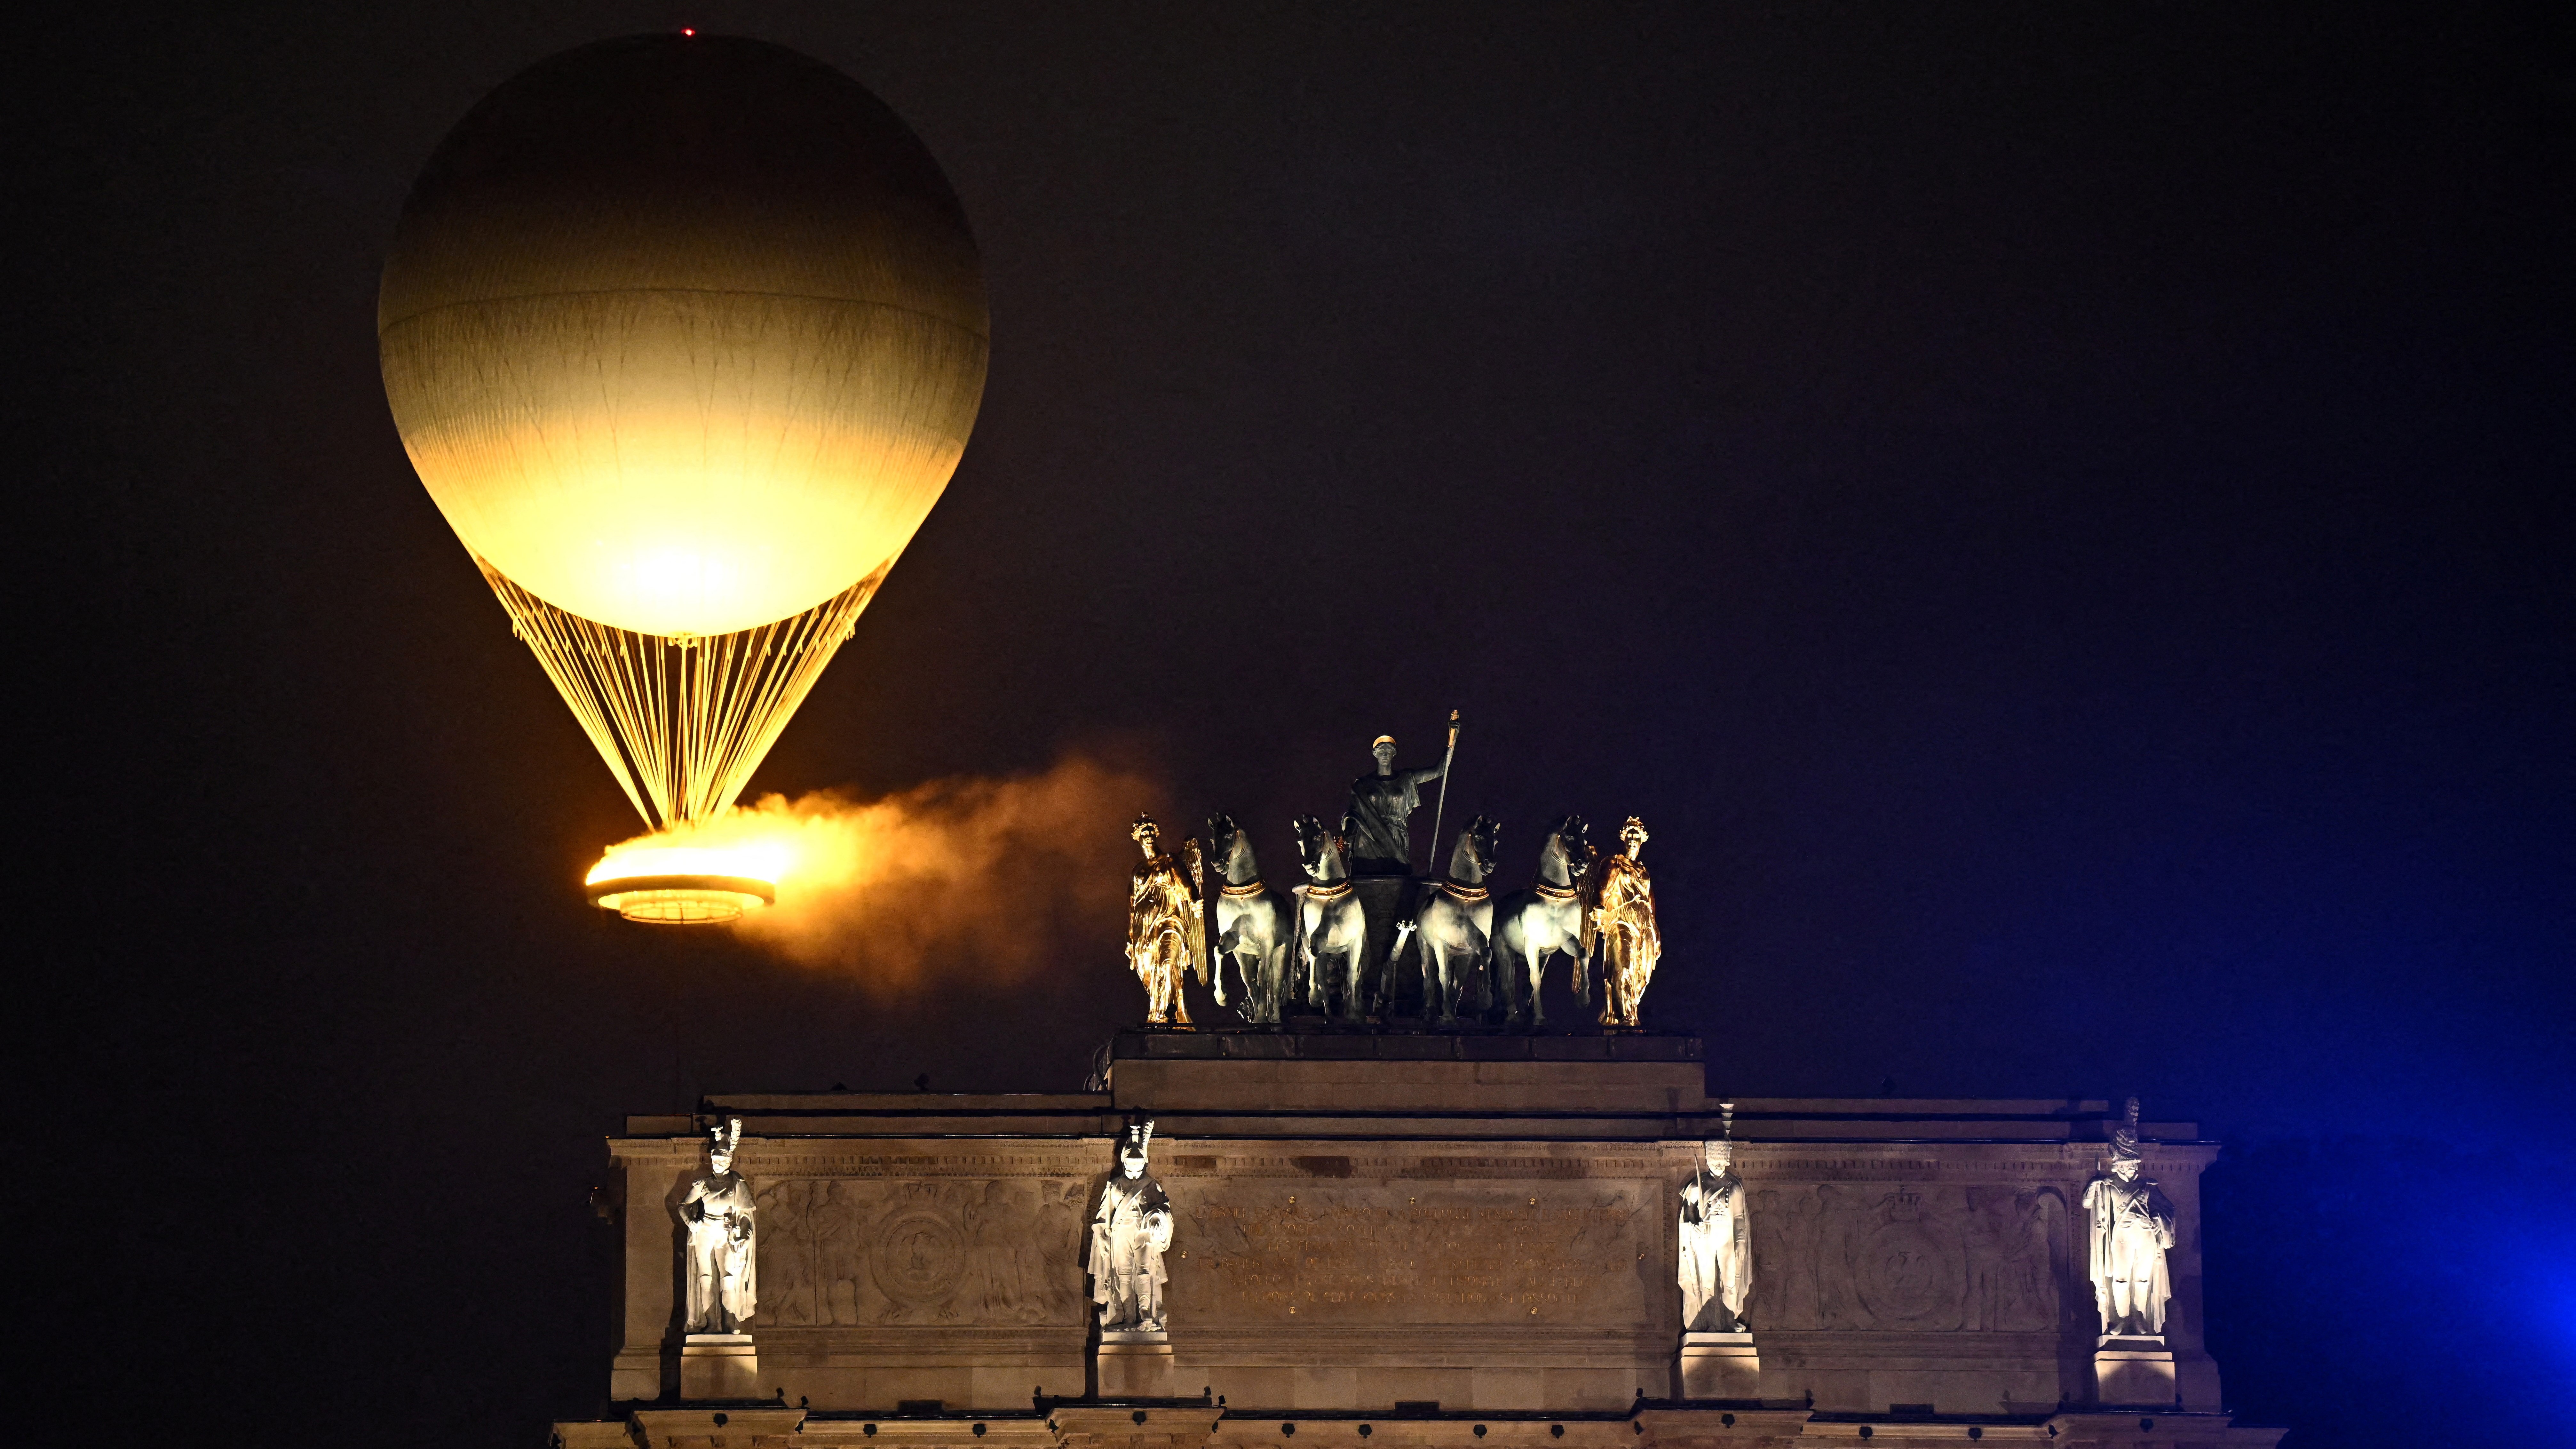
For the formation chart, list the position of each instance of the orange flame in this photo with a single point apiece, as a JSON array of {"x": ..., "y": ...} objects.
[{"x": 1003, "y": 876}]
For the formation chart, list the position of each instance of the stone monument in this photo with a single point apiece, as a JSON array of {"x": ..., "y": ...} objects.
[
  {"x": 721, "y": 1262},
  {"x": 1423, "y": 1232},
  {"x": 1130, "y": 1232},
  {"x": 2132, "y": 1226},
  {"x": 1408, "y": 1233}
]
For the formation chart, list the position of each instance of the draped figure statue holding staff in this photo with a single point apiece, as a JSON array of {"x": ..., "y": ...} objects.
[{"x": 1378, "y": 820}]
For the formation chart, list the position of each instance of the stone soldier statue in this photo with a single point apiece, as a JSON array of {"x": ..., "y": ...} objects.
[
  {"x": 1166, "y": 927},
  {"x": 1129, "y": 1234},
  {"x": 1716, "y": 1243},
  {"x": 2133, "y": 1225},
  {"x": 717, "y": 1214},
  {"x": 1624, "y": 927},
  {"x": 1378, "y": 821}
]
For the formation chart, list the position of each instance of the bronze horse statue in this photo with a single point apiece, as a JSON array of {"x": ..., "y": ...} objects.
[
  {"x": 1456, "y": 928},
  {"x": 1252, "y": 926},
  {"x": 1329, "y": 923},
  {"x": 1546, "y": 920}
]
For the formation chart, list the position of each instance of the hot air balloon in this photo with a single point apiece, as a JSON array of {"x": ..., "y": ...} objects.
[{"x": 684, "y": 335}]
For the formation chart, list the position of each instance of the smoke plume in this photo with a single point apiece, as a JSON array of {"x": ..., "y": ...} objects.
[{"x": 1006, "y": 876}]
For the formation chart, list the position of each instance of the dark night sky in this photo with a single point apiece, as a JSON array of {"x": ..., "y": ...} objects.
[{"x": 2058, "y": 517}]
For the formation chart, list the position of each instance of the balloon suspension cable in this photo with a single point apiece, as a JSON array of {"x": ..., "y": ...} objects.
[{"x": 682, "y": 720}]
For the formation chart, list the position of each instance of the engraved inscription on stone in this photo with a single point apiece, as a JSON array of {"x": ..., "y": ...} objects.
[
  {"x": 1930, "y": 1259},
  {"x": 1353, "y": 1251},
  {"x": 865, "y": 1251}
]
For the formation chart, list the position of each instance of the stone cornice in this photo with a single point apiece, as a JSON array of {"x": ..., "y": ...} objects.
[
  {"x": 1183, "y": 1156},
  {"x": 1189, "y": 1424}
]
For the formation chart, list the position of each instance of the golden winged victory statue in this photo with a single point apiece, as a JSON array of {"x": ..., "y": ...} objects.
[
  {"x": 1166, "y": 927},
  {"x": 1625, "y": 921}
]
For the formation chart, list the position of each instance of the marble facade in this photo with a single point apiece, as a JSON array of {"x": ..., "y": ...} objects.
[{"x": 1419, "y": 1234}]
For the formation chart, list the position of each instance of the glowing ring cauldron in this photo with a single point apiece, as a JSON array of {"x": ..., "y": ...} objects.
[
  {"x": 670, "y": 883},
  {"x": 683, "y": 900}
]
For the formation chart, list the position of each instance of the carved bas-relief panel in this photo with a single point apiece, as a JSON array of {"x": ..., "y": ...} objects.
[
  {"x": 1367, "y": 1255},
  {"x": 861, "y": 1251},
  {"x": 1872, "y": 1292},
  {"x": 881, "y": 1289},
  {"x": 1908, "y": 1258},
  {"x": 1315, "y": 1280}
]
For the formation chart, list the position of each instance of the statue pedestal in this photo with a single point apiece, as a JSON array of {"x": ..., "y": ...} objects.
[
  {"x": 719, "y": 1366},
  {"x": 1136, "y": 1365},
  {"x": 2134, "y": 1370},
  {"x": 1720, "y": 1366}
]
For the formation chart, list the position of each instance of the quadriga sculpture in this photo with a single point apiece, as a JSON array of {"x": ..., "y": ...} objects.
[
  {"x": 1252, "y": 926},
  {"x": 1548, "y": 919},
  {"x": 1456, "y": 928},
  {"x": 1330, "y": 924}
]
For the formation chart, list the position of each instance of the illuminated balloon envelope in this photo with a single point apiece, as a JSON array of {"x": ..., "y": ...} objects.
[{"x": 685, "y": 335}]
